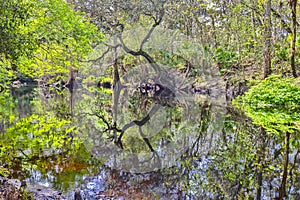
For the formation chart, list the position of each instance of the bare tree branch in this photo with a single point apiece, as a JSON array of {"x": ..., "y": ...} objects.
[
  {"x": 153, "y": 64},
  {"x": 284, "y": 24},
  {"x": 156, "y": 23},
  {"x": 259, "y": 13},
  {"x": 139, "y": 123},
  {"x": 145, "y": 139},
  {"x": 109, "y": 47},
  {"x": 141, "y": 52},
  {"x": 109, "y": 127}
]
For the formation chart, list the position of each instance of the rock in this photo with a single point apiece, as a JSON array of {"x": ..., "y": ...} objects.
[
  {"x": 10, "y": 189},
  {"x": 44, "y": 193},
  {"x": 13, "y": 189}
]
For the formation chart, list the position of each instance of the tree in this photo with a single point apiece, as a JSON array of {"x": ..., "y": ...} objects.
[
  {"x": 293, "y": 4},
  {"x": 16, "y": 39},
  {"x": 267, "y": 38},
  {"x": 274, "y": 104},
  {"x": 44, "y": 38}
]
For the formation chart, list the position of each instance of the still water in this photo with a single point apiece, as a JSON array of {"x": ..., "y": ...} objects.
[{"x": 149, "y": 140}]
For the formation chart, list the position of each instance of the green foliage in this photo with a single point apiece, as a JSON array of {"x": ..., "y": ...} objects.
[
  {"x": 37, "y": 136},
  {"x": 6, "y": 72},
  {"x": 16, "y": 40},
  {"x": 4, "y": 172},
  {"x": 103, "y": 80},
  {"x": 224, "y": 58},
  {"x": 43, "y": 38},
  {"x": 273, "y": 103},
  {"x": 281, "y": 52},
  {"x": 64, "y": 39},
  {"x": 26, "y": 195},
  {"x": 7, "y": 107}
]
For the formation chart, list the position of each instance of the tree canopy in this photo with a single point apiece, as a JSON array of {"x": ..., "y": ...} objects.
[{"x": 44, "y": 37}]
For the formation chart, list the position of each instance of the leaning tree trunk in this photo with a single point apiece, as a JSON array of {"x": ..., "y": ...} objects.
[
  {"x": 267, "y": 38},
  {"x": 294, "y": 32}
]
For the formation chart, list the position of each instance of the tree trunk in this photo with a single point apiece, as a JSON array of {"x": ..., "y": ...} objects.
[
  {"x": 294, "y": 32},
  {"x": 214, "y": 30},
  {"x": 117, "y": 89},
  {"x": 70, "y": 85},
  {"x": 267, "y": 37},
  {"x": 261, "y": 155},
  {"x": 282, "y": 189}
]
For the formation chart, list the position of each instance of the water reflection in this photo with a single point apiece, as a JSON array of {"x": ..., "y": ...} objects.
[
  {"x": 213, "y": 164},
  {"x": 152, "y": 121}
]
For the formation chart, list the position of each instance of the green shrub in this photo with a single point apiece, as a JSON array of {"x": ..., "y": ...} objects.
[{"x": 274, "y": 103}]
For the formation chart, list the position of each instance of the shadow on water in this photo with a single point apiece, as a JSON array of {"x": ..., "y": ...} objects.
[{"x": 47, "y": 142}]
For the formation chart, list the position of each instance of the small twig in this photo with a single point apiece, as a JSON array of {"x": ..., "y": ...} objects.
[
  {"x": 109, "y": 127},
  {"x": 109, "y": 47},
  {"x": 23, "y": 153}
]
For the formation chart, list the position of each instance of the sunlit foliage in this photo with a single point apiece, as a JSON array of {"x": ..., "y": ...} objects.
[
  {"x": 38, "y": 136},
  {"x": 45, "y": 37},
  {"x": 274, "y": 104}
]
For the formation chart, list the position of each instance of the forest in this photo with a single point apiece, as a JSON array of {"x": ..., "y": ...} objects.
[{"x": 153, "y": 99}]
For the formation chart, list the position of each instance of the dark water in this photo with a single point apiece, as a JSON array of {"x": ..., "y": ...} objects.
[{"x": 196, "y": 147}]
